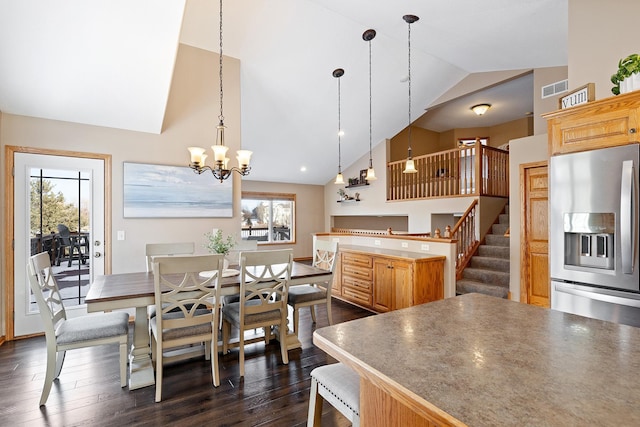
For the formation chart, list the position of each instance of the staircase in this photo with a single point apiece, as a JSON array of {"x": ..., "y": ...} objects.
[{"x": 488, "y": 270}]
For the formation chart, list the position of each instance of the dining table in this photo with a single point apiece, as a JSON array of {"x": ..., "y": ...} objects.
[
  {"x": 136, "y": 290},
  {"x": 477, "y": 360}
]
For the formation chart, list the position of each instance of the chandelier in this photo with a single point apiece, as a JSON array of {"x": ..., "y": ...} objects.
[{"x": 220, "y": 168}]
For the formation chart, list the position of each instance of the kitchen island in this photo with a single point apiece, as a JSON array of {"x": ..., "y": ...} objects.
[{"x": 483, "y": 361}]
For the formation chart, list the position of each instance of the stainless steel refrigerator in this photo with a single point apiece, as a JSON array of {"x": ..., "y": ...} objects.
[{"x": 593, "y": 237}]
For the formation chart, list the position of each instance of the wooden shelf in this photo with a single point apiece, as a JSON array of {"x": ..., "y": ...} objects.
[{"x": 357, "y": 185}]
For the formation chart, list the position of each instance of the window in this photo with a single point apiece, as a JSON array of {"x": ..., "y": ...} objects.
[{"x": 268, "y": 217}]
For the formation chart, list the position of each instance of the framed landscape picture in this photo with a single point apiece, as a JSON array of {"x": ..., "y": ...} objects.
[{"x": 160, "y": 191}]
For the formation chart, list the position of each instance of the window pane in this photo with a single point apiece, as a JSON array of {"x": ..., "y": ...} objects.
[{"x": 268, "y": 219}]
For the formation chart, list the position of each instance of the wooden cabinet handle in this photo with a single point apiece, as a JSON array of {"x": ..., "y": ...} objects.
[{"x": 632, "y": 130}]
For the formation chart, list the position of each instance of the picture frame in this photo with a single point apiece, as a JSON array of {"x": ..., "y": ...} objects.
[
  {"x": 363, "y": 176},
  {"x": 164, "y": 191}
]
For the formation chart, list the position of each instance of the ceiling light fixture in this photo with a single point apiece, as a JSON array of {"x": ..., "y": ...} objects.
[
  {"x": 480, "y": 109},
  {"x": 337, "y": 73},
  {"x": 220, "y": 169},
  {"x": 371, "y": 173},
  {"x": 409, "y": 166}
]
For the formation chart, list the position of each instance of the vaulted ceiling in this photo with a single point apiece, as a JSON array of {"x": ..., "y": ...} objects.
[{"x": 110, "y": 63}]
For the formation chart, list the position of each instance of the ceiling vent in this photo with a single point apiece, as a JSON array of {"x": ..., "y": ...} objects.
[{"x": 555, "y": 88}]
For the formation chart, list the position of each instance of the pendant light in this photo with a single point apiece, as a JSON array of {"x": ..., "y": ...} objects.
[
  {"x": 410, "y": 166},
  {"x": 368, "y": 36},
  {"x": 220, "y": 169},
  {"x": 337, "y": 73}
]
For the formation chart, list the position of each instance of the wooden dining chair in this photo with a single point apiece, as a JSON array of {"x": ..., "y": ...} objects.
[
  {"x": 64, "y": 334},
  {"x": 167, "y": 249},
  {"x": 324, "y": 257},
  {"x": 187, "y": 305},
  {"x": 264, "y": 284},
  {"x": 340, "y": 386}
]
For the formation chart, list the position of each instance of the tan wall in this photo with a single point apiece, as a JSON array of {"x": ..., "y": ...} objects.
[
  {"x": 423, "y": 142},
  {"x": 309, "y": 212},
  {"x": 543, "y": 77},
  {"x": 600, "y": 34}
]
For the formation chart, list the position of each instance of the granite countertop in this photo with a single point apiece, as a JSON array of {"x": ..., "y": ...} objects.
[
  {"x": 390, "y": 252},
  {"x": 487, "y": 361}
]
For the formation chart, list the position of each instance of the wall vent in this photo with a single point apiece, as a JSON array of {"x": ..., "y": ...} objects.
[{"x": 555, "y": 88}]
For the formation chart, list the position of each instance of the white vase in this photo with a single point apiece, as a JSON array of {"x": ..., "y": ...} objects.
[{"x": 630, "y": 84}]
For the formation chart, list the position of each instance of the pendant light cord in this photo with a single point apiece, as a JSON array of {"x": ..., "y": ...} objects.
[
  {"x": 221, "y": 117},
  {"x": 370, "y": 154},
  {"x": 409, "y": 56},
  {"x": 339, "y": 130}
]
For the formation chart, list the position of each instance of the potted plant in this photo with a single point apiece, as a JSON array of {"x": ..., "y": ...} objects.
[
  {"x": 217, "y": 244},
  {"x": 627, "y": 78}
]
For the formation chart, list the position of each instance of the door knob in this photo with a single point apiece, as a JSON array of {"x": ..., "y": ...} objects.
[
  {"x": 96, "y": 243},
  {"x": 97, "y": 255}
]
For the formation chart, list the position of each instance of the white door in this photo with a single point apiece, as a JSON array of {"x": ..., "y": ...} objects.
[{"x": 49, "y": 190}]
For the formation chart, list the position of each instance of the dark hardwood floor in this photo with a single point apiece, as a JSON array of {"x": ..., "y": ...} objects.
[{"x": 88, "y": 391}]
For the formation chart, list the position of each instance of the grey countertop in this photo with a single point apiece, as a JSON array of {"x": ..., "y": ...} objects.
[{"x": 488, "y": 361}]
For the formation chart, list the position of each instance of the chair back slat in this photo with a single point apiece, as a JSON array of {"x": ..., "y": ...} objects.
[
  {"x": 167, "y": 249},
  {"x": 324, "y": 254},
  {"x": 190, "y": 285},
  {"x": 45, "y": 290},
  {"x": 264, "y": 277}
]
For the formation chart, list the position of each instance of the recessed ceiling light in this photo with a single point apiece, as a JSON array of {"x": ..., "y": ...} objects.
[{"x": 303, "y": 169}]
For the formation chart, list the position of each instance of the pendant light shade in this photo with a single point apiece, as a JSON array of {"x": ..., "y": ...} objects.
[
  {"x": 409, "y": 166},
  {"x": 337, "y": 73},
  {"x": 371, "y": 173}
]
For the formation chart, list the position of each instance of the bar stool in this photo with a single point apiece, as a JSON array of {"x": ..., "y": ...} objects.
[{"x": 340, "y": 386}]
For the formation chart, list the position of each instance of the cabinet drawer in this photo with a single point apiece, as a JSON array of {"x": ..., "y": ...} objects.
[
  {"x": 356, "y": 271},
  {"x": 357, "y": 259},
  {"x": 355, "y": 282},
  {"x": 356, "y": 296}
]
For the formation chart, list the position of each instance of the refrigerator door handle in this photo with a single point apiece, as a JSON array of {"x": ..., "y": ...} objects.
[
  {"x": 627, "y": 229},
  {"x": 598, "y": 296}
]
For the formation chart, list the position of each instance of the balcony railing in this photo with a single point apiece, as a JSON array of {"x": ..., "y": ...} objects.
[{"x": 451, "y": 173}]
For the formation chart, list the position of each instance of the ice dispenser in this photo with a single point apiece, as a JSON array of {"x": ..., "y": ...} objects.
[{"x": 589, "y": 240}]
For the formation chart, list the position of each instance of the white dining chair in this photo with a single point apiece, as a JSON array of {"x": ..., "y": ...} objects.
[
  {"x": 64, "y": 334},
  {"x": 167, "y": 249},
  {"x": 264, "y": 283},
  {"x": 324, "y": 256},
  {"x": 187, "y": 305},
  {"x": 340, "y": 386}
]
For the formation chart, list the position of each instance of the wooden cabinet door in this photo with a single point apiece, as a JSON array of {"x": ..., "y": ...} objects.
[
  {"x": 534, "y": 234},
  {"x": 402, "y": 273},
  {"x": 382, "y": 285}
]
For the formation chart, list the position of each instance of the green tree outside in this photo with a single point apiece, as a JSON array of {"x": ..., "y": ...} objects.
[{"x": 55, "y": 210}]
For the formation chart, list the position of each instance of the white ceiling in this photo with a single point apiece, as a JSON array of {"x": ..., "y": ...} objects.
[{"x": 110, "y": 63}]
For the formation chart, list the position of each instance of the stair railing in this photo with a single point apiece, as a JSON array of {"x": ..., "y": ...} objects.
[
  {"x": 474, "y": 170},
  {"x": 464, "y": 232}
]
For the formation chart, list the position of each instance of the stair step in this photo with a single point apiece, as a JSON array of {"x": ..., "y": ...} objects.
[
  {"x": 503, "y": 218},
  {"x": 494, "y": 251},
  {"x": 496, "y": 240},
  {"x": 484, "y": 275},
  {"x": 490, "y": 263},
  {"x": 499, "y": 229},
  {"x": 466, "y": 286}
]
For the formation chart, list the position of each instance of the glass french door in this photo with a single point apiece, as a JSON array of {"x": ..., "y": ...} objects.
[{"x": 59, "y": 209}]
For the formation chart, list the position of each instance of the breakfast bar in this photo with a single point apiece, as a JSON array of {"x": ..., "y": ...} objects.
[{"x": 482, "y": 361}]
